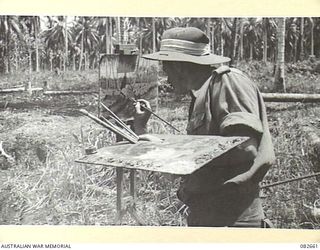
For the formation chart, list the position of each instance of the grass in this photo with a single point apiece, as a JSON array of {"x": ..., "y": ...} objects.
[
  {"x": 64, "y": 80},
  {"x": 55, "y": 190}
]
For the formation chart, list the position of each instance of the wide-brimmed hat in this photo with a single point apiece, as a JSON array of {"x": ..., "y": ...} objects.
[{"x": 186, "y": 45}]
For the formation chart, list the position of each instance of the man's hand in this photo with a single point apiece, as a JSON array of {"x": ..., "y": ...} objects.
[
  {"x": 240, "y": 179},
  {"x": 141, "y": 116}
]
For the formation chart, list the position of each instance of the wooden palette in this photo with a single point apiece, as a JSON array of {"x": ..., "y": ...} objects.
[{"x": 175, "y": 154}]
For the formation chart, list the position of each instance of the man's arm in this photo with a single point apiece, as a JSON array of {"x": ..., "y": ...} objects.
[
  {"x": 141, "y": 117},
  {"x": 245, "y": 152}
]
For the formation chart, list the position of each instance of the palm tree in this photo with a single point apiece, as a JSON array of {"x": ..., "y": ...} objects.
[
  {"x": 229, "y": 34},
  {"x": 310, "y": 30},
  {"x": 149, "y": 30},
  {"x": 301, "y": 38},
  {"x": 57, "y": 38},
  {"x": 279, "y": 79},
  {"x": 31, "y": 25},
  {"x": 105, "y": 30},
  {"x": 292, "y": 38},
  {"x": 8, "y": 26},
  {"x": 250, "y": 36},
  {"x": 87, "y": 36},
  {"x": 266, "y": 35}
]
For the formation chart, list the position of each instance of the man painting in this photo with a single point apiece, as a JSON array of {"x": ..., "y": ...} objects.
[{"x": 225, "y": 102}]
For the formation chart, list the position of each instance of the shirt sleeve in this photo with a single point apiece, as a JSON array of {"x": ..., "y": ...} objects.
[{"x": 235, "y": 104}]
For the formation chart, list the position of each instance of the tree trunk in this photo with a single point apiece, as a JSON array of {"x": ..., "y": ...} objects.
[
  {"x": 16, "y": 56},
  {"x": 153, "y": 35},
  {"x": 65, "y": 61},
  {"x": 241, "y": 41},
  {"x": 119, "y": 30},
  {"x": 61, "y": 60},
  {"x": 279, "y": 80},
  {"x": 233, "y": 42},
  {"x": 86, "y": 61},
  {"x": 110, "y": 35},
  {"x": 212, "y": 38},
  {"x": 37, "y": 54},
  {"x": 74, "y": 62},
  {"x": 265, "y": 40},
  {"x": 251, "y": 52},
  {"x": 292, "y": 97},
  {"x": 295, "y": 49},
  {"x": 221, "y": 39},
  {"x": 208, "y": 30},
  {"x": 107, "y": 36},
  {"x": 140, "y": 45},
  {"x": 302, "y": 39},
  {"x": 50, "y": 61},
  {"x": 312, "y": 37},
  {"x": 30, "y": 66},
  {"x": 81, "y": 51},
  {"x": 35, "y": 25},
  {"x": 8, "y": 68}
]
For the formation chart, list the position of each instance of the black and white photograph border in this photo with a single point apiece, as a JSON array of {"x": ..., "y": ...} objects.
[{"x": 100, "y": 122}]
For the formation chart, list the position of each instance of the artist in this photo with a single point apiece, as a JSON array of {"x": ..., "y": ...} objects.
[{"x": 225, "y": 102}]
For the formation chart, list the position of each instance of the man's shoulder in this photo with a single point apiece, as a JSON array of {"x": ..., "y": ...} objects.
[
  {"x": 238, "y": 78},
  {"x": 235, "y": 71},
  {"x": 229, "y": 72}
]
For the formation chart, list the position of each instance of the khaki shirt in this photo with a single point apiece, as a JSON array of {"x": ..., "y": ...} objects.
[{"x": 228, "y": 100}]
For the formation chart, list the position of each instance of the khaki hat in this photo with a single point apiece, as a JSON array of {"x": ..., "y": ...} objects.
[{"x": 186, "y": 45}]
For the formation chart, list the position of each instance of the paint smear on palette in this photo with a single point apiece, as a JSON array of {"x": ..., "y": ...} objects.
[{"x": 163, "y": 154}]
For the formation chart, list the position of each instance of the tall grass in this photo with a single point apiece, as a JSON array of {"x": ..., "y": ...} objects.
[{"x": 56, "y": 190}]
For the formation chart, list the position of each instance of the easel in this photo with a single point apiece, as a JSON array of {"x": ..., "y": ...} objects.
[
  {"x": 114, "y": 69},
  {"x": 131, "y": 207}
]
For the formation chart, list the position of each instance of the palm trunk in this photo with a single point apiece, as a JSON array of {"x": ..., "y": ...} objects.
[
  {"x": 153, "y": 35},
  {"x": 50, "y": 61},
  {"x": 16, "y": 56},
  {"x": 86, "y": 61},
  {"x": 107, "y": 36},
  {"x": 35, "y": 24},
  {"x": 221, "y": 40},
  {"x": 8, "y": 68},
  {"x": 265, "y": 41},
  {"x": 140, "y": 45},
  {"x": 208, "y": 30},
  {"x": 301, "y": 39},
  {"x": 312, "y": 38},
  {"x": 212, "y": 38},
  {"x": 110, "y": 35},
  {"x": 119, "y": 29},
  {"x": 251, "y": 52},
  {"x": 37, "y": 55},
  {"x": 241, "y": 41},
  {"x": 61, "y": 61},
  {"x": 65, "y": 61},
  {"x": 279, "y": 79},
  {"x": 81, "y": 51},
  {"x": 234, "y": 42},
  {"x": 30, "y": 66},
  {"x": 74, "y": 62},
  {"x": 295, "y": 49}
]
